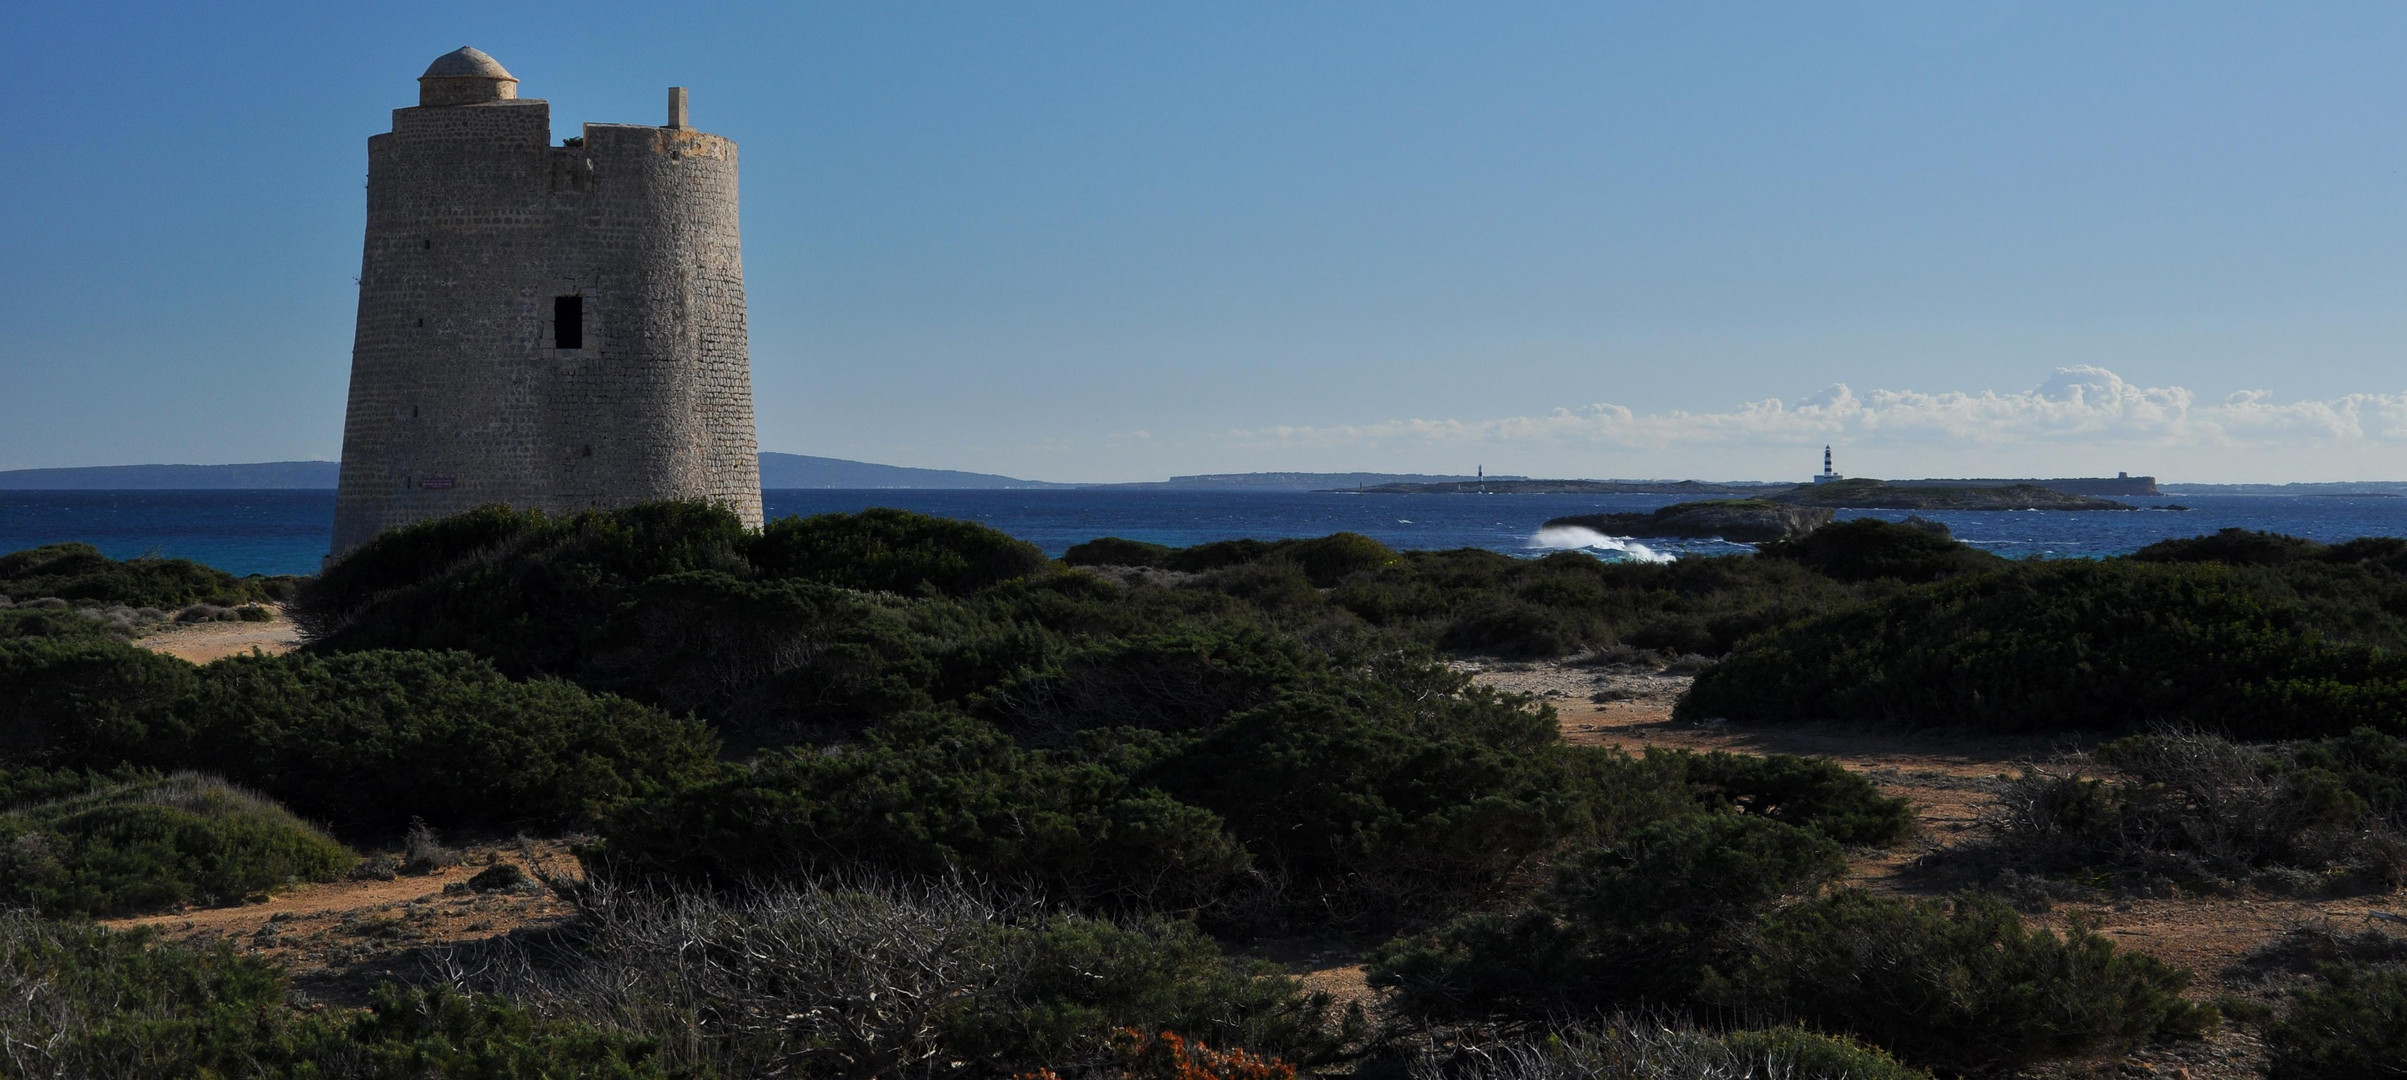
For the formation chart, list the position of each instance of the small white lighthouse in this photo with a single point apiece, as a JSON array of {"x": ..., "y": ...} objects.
[{"x": 1827, "y": 475}]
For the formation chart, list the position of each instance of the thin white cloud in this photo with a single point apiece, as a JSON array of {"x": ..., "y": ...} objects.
[{"x": 2077, "y": 404}]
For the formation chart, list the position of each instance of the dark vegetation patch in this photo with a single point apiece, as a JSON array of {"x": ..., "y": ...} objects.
[
  {"x": 2079, "y": 645},
  {"x": 1869, "y": 549},
  {"x": 1654, "y": 1046},
  {"x": 88, "y": 1002},
  {"x": 1691, "y": 916},
  {"x": 363, "y": 741},
  {"x": 78, "y": 572},
  {"x": 2301, "y": 817},
  {"x": 84, "y": 844}
]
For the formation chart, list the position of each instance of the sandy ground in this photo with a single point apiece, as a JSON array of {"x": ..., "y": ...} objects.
[
  {"x": 341, "y": 938},
  {"x": 203, "y": 642}
]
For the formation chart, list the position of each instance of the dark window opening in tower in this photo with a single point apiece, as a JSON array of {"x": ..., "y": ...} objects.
[{"x": 568, "y": 322}]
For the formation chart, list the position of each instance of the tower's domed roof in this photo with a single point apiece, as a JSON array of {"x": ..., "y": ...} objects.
[
  {"x": 466, "y": 77},
  {"x": 466, "y": 62}
]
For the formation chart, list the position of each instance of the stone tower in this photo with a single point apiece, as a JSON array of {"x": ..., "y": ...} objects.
[{"x": 551, "y": 327}]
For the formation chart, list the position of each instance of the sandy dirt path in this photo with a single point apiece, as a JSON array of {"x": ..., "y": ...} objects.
[
  {"x": 340, "y": 938},
  {"x": 203, "y": 642}
]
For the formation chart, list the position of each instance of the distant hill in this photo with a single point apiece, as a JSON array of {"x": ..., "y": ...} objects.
[
  {"x": 802, "y": 471},
  {"x": 777, "y": 471},
  {"x": 1509, "y": 485},
  {"x": 265, "y": 474},
  {"x": 2343, "y": 487},
  {"x": 1295, "y": 481}
]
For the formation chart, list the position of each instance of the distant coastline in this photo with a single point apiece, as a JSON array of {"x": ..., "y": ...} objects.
[{"x": 795, "y": 472}]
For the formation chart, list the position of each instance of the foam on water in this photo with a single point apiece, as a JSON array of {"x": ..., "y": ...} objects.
[{"x": 1582, "y": 538}]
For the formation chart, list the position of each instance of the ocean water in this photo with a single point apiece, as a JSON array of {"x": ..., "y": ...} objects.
[{"x": 286, "y": 532}]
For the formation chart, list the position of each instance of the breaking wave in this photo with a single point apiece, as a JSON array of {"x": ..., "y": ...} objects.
[{"x": 1582, "y": 538}]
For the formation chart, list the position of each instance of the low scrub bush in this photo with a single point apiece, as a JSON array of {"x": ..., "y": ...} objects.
[
  {"x": 146, "y": 843},
  {"x": 1688, "y": 915},
  {"x": 1483, "y": 601},
  {"x": 1114, "y": 551},
  {"x": 893, "y": 551},
  {"x": 1642, "y": 922},
  {"x": 2350, "y": 1026},
  {"x": 866, "y": 979},
  {"x": 1647, "y": 1046},
  {"x": 78, "y": 699},
  {"x": 1813, "y": 793},
  {"x": 1959, "y": 984},
  {"x": 2203, "y": 809},
  {"x": 933, "y": 794},
  {"x": 81, "y": 1003},
  {"x": 368, "y": 741},
  {"x": 1869, "y": 549},
  {"x": 362, "y": 741},
  {"x": 79, "y": 572},
  {"x": 2068, "y": 645}
]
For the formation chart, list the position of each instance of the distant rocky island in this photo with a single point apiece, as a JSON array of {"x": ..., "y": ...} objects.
[
  {"x": 1743, "y": 521},
  {"x": 1883, "y": 495},
  {"x": 2064, "y": 494},
  {"x": 1517, "y": 486}
]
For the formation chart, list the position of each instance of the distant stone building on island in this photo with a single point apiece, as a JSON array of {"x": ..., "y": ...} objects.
[{"x": 550, "y": 327}]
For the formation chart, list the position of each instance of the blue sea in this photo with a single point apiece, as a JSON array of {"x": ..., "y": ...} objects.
[{"x": 286, "y": 532}]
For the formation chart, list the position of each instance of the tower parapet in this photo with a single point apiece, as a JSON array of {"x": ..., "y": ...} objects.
[{"x": 552, "y": 327}]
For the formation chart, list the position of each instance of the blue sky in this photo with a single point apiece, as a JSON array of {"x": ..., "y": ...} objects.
[{"x": 1119, "y": 241}]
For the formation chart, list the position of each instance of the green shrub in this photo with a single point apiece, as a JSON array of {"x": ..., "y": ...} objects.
[
  {"x": 1959, "y": 984},
  {"x": 1370, "y": 810},
  {"x": 931, "y": 794},
  {"x": 532, "y": 593},
  {"x": 1084, "y": 979},
  {"x": 1810, "y": 793},
  {"x": 150, "y": 843},
  {"x": 2200, "y": 808},
  {"x": 75, "y": 699},
  {"x": 2350, "y": 1027},
  {"x": 893, "y": 551},
  {"x": 1169, "y": 683},
  {"x": 1687, "y": 914},
  {"x": 88, "y": 1002},
  {"x": 861, "y": 977},
  {"x": 78, "y": 571},
  {"x": 368, "y": 741},
  {"x": 1114, "y": 551},
  {"x": 1642, "y": 922},
  {"x": 2233, "y": 547},
  {"x": 1218, "y": 555},
  {"x": 1655, "y": 1047},
  {"x": 2067, "y": 645},
  {"x": 60, "y": 623},
  {"x": 1868, "y": 549}
]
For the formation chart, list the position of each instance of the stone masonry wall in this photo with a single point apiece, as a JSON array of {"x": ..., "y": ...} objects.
[{"x": 458, "y": 397}]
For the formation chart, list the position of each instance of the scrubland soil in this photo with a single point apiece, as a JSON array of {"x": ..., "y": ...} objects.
[
  {"x": 1951, "y": 781},
  {"x": 341, "y": 938},
  {"x": 203, "y": 642}
]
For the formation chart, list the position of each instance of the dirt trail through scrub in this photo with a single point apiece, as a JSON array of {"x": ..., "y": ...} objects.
[
  {"x": 203, "y": 642},
  {"x": 341, "y": 938}
]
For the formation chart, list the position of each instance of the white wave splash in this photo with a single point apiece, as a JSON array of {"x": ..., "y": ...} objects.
[{"x": 1582, "y": 538}]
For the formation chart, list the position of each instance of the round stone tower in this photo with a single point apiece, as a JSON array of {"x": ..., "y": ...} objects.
[{"x": 551, "y": 327}]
